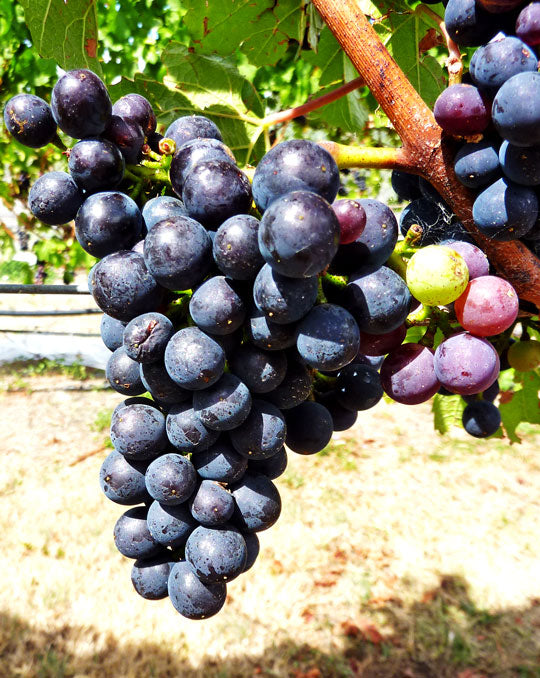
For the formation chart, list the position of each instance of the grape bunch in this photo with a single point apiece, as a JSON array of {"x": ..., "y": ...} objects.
[{"x": 247, "y": 316}]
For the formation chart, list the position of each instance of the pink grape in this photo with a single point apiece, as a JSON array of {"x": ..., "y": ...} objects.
[{"x": 488, "y": 306}]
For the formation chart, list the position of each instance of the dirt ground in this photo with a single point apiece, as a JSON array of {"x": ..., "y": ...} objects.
[{"x": 398, "y": 554}]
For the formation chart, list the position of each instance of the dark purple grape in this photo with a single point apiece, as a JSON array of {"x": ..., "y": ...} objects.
[
  {"x": 123, "y": 375},
  {"x": 468, "y": 24},
  {"x": 481, "y": 419},
  {"x": 212, "y": 504},
  {"x": 328, "y": 337},
  {"x": 171, "y": 479},
  {"x": 379, "y": 301},
  {"x": 127, "y": 136},
  {"x": 405, "y": 185},
  {"x": 29, "y": 120},
  {"x": 146, "y": 337},
  {"x": 112, "y": 332},
  {"x": 519, "y": 164},
  {"x": 299, "y": 234},
  {"x": 262, "y": 434},
  {"x": 253, "y": 548},
  {"x": 352, "y": 220},
  {"x": 96, "y": 165},
  {"x": 123, "y": 288},
  {"x": 55, "y": 198},
  {"x": 295, "y": 165},
  {"x": 162, "y": 207},
  {"x": 261, "y": 371},
  {"x": 216, "y": 307},
  {"x": 185, "y": 430},
  {"x": 150, "y": 576},
  {"x": 528, "y": 24},
  {"x": 273, "y": 467},
  {"x": 381, "y": 344},
  {"x": 258, "y": 503},
  {"x": 499, "y": 60},
  {"x": 122, "y": 479},
  {"x": 190, "y": 597},
  {"x": 191, "y": 154},
  {"x": 505, "y": 211},
  {"x": 309, "y": 427},
  {"x": 135, "y": 108},
  {"x": 516, "y": 110},
  {"x": 295, "y": 387},
  {"x": 193, "y": 359},
  {"x": 177, "y": 252},
  {"x": 376, "y": 243},
  {"x": 342, "y": 418},
  {"x": 158, "y": 383},
  {"x": 216, "y": 190},
  {"x": 236, "y": 247},
  {"x": 107, "y": 222},
  {"x": 358, "y": 387},
  {"x": 81, "y": 104},
  {"x": 131, "y": 535},
  {"x": 432, "y": 218},
  {"x": 190, "y": 127},
  {"x": 220, "y": 462},
  {"x": 477, "y": 164},
  {"x": 138, "y": 431},
  {"x": 465, "y": 364},
  {"x": 268, "y": 335},
  {"x": 489, "y": 394},
  {"x": 408, "y": 375},
  {"x": 283, "y": 300},
  {"x": 462, "y": 110},
  {"x": 217, "y": 554},
  {"x": 223, "y": 406},
  {"x": 170, "y": 525}
]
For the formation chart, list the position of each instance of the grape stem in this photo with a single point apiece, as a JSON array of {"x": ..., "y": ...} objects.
[
  {"x": 396, "y": 263},
  {"x": 367, "y": 156},
  {"x": 428, "y": 152},
  {"x": 454, "y": 63},
  {"x": 313, "y": 105}
]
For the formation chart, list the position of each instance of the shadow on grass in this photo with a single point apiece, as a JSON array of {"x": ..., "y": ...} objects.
[{"x": 442, "y": 636}]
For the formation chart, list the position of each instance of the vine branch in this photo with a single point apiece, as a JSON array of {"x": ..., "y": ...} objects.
[{"x": 430, "y": 154}]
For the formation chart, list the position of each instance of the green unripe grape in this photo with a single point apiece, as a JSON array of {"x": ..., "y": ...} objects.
[
  {"x": 437, "y": 275},
  {"x": 524, "y": 356}
]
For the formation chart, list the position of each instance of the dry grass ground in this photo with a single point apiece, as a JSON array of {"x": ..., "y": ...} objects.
[{"x": 398, "y": 554}]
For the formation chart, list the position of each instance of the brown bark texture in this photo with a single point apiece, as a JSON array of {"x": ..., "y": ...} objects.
[{"x": 430, "y": 153}]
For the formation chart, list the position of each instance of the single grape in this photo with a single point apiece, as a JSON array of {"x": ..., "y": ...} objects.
[
  {"x": 499, "y": 60},
  {"x": 481, "y": 419},
  {"x": 352, "y": 220},
  {"x": 519, "y": 164},
  {"x": 299, "y": 234},
  {"x": 268, "y": 335},
  {"x": 185, "y": 430},
  {"x": 295, "y": 165},
  {"x": 505, "y": 211},
  {"x": 132, "y": 537},
  {"x": 223, "y": 406},
  {"x": 328, "y": 337},
  {"x": 171, "y": 479},
  {"x": 283, "y": 300},
  {"x": 112, "y": 332},
  {"x": 437, "y": 275},
  {"x": 138, "y": 431},
  {"x": 220, "y": 462},
  {"x": 191, "y": 154},
  {"x": 122, "y": 479},
  {"x": 96, "y": 165},
  {"x": 466, "y": 364},
  {"x": 146, "y": 337},
  {"x": 381, "y": 344},
  {"x": 122, "y": 373},
  {"x": 477, "y": 164},
  {"x": 193, "y": 359},
  {"x": 81, "y": 104},
  {"x": 190, "y": 127},
  {"x": 212, "y": 504},
  {"x": 127, "y": 136},
  {"x": 462, "y": 110},
  {"x": 29, "y": 120},
  {"x": 488, "y": 306},
  {"x": 216, "y": 307},
  {"x": 158, "y": 383},
  {"x": 262, "y": 434},
  {"x": 136, "y": 109},
  {"x": 273, "y": 467},
  {"x": 236, "y": 247},
  {"x": 408, "y": 375},
  {"x": 150, "y": 576},
  {"x": 170, "y": 525},
  {"x": 528, "y": 24},
  {"x": 405, "y": 185},
  {"x": 261, "y": 371},
  {"x": 55, "y": 198},
  {"x": 258, "y": 504},
  {"x": 309, "y": 427},
  {"x": 108, "y": 222},
  {"x": 358, "y": 387},
  {"x": 432, "y": 218},
  {"x": 190, "y": 597},
  {"x": 516, "y": 110},
  {"x": 524, "y": 355},
  {"x": 162, "y": 207},
  {"x": 468, "y": 24}
]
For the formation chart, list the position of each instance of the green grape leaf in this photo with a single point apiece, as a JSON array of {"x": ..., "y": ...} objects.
[
  {"x": 204, "y": 85},
  {"x": 16, "y": 272},
  {"x": 349, "y": 113},
  {"x": 64, "y": 31},
  {"x": 260, "y": 28},
  {"x": 447, "y": 412},
  {"x": 523, "y": 405}
]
